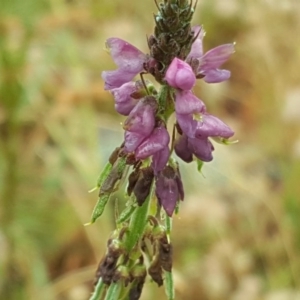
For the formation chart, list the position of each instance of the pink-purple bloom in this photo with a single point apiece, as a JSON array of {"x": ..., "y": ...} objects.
[
  {"x": 180, "y": 75},
  {"x": 140, "y": 123},
  {"x": 156, "y": 141},
  {"x": 160, "y": 159},
  {"x": 197, "y": 126},
  {"x": 124, "y": 102},
  {"x": 157, "y": 146},
  {"x": 185, "y": 147},
  {"x": 210, "y": 62},
  {"x": 205, "y": 66},
  {"x": 130, "y": 62},
  {"x": 169, "y": 189}
]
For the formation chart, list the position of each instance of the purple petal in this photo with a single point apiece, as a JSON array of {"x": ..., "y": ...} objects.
[
  {"x": 187, "y": 103},
  {"x": 216, "y": 75},
  {"x": 201, "y": 148},
  {"x": 141, "y": 119},
  {"x": 180, "y": 75},
  {"x": 215, "y": 57},
  {"x": 132, "y": 140},
  {"x": 167, "y": 190},
  {"x": 124, "y": 103},
  {"x": 129, "y": 60},
  {"x": 179, "y": 184},
  {"x": 116, "y": 78},
  {"x": 197, "y": 46},
  {"x": 160, "y": 159},
  {"x": 187, "y": 124},
  {"x": 125, "y": 55},
  {"x": 182, "y": 150},
  {"x": 212, "y": 126},
  {"x": 158, "y": 140}
]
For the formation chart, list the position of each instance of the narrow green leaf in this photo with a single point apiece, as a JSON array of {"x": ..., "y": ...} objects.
[
  {"x": 99, "y": 290},
  {"x": 99, "y": 207},
  {"x": 137, "y": 224},
  {"x": 114, "y": 291},
  {"x": 104, "y": 174}
]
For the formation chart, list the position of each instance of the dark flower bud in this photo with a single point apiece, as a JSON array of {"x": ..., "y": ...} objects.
[
  {"x": 132, "y": 179},
  {"x": 155, "y": 271},
  {"x": 143, "y": 185},
  {"x": 115, "y": 154},
  {"x": 165, "y": 253},
  {"x": 107, "y": 266},
  {"x": 138, "y": 274}
]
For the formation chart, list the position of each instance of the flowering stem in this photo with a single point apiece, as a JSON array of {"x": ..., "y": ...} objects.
[{"x": 99, "y": 290}]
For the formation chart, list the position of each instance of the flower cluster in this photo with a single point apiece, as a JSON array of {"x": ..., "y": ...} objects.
[
  {"x": 176, "y": 61},
  {"x": 145, "y": 128}
]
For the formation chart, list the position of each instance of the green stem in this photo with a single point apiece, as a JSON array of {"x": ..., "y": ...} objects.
[
  {"x": 137, "y": 224},
  {"x": 114, "y": 291},
  {"x": 168, "y": 226},
  {"x": 165, "y": 102},
  {"x": 99, "y": 290},
  {"x": 169, "y": 286}
]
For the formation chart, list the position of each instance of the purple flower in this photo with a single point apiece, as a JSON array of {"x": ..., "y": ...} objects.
[
  {"x": 160, "y": 159},
  {"x": 180, "y": 75},
  {"x": 208, "y": 64},
  {"x": 124, "y": 103},
  {"x": 210, "y": 125},
  {"x": 185, "y": 147},
  {"x": 182, "y": 150},
  {"x": 169, "y": 189},
  {"x": 157, "y": 141},
  {"x": 187, "y": 107},
  {"x": 194, "y": 121},
  {"x": 197, "y": 126},
  {"x": 129, "y": 60},
  {"x": 197, "y": 46},
  {"x": 140, "y": 123},
  {"x": 157, "y": 146}
]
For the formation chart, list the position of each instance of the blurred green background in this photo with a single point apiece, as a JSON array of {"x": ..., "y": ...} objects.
[{"x": 237, "y": 236}]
